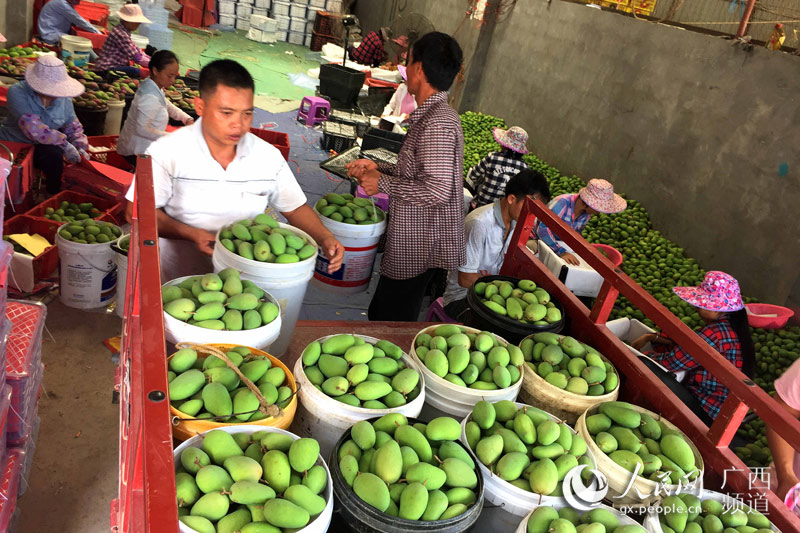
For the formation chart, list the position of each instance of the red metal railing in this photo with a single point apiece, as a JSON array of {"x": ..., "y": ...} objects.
[
  {"x": 146, "y": 499},
  {"x": 640, "y": 385}
]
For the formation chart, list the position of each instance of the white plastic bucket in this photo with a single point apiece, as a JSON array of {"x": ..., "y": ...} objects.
[
  {"x": 624, "y": 520},
  {"x": 140, "y": 40},
  {"x": 262, "y": 338},
  {"x": 360, "y": 248},
  {"x": 76, "y": 48},
  {"x": 121, "y": 258},
  {"x": 87, "y": 273},
  {"x": 652, "y": 524},
  {"x": 287, "y": 283},
  {"x": 113, "y": 117},
  {"x": 318, "y": 525},
  {"x": 453, "y": 399},
  {"x": 503, "y": 494},
  {"x": 325, "y": 418}
]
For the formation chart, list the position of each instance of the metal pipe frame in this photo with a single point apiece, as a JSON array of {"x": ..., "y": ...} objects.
[{"x": 639, "y": 384}]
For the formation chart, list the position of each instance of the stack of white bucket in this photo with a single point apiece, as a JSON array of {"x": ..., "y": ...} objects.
[
  {"x": 263, "y": 29},
  {"x": 158, "y": 33},
  {"x": 227, "y": 13}
]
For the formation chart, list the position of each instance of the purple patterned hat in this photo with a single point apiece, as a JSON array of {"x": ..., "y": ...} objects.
[
  {"x": 514, "y": 138},
  {"x": 718, "y": 292},
  {"x": 48, "y": 76}
]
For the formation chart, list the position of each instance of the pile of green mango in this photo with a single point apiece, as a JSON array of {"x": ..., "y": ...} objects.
[
  {"x": 569, "y": 364},
  {"x": 685, "y": 513},
  {"x": 568, "y": 520},
  {"x": 70, "y": 212},
  {"x": 262, "y": 482},
  {"x": 208, "y": 388},
  {"x": 261, "y": 239},
  {"x": 639, "y": 443},
  {"x": 416, "y": 472},
  {"x": 89, "y": 231},
  {"x": 348, "y": 209},
  {"x": 220, "y": 301},
  {"x": 655, "y": 263},
  {"x": 524, "y": 446},
  {"x": 525, "y": 303},
  {"x": 355, "y": 372},
  {"x": 478, "y": 361},
  {"x": 125, "y": 243}
]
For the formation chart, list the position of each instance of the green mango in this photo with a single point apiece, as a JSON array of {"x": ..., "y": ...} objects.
[
  {"x": 543, "y": 477},
  {"x": 621, "y": 414},
  {"x": 540, "y": 519},
  {"x": 277, "y": 471},
  {"x": 678, "y": 450},
  {"x": 212, "y": 506},
  {"x": 372, "y": 490},
  {"x": 443, "y": 428},
  {"x": 285, "y": 514},
  {"x": 303, "y": 497},
  {"x": 431, "y": 476}
]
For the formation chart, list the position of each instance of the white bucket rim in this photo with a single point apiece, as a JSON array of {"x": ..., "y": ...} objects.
[
  {"x": 624, "y": 520},
  {"x": 352, "y": 230},
  {"x": 86, "y": 246},
  {"x": 279, "y": 266},
  {"x": 487, "y": 395},
  {"x": 169, "y": 320},
  {"x": 81, "y": 248},
  {"x": 196, "y": 441},
  {"x": 74, "y": 39},
  {"x": 519, "y": 495},
  {"x": 410, "y": 361}
]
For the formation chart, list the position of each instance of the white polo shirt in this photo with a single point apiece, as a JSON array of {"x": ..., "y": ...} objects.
[
  {"x": 193, "y": 188},
  {"x": 486, "y": 248}
]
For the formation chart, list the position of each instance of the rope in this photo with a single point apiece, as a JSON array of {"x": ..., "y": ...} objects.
[{"x": 265, "y": 407}]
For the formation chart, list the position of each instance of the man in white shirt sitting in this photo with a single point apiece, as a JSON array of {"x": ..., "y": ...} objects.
[
  {"x": 488, "y": 234},
  {"x": 216, "y": 172}
]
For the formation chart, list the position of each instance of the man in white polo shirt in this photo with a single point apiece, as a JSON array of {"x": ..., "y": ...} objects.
[
  {"x": 215, "y": 172},
  {"x": 488, "y": 234}
]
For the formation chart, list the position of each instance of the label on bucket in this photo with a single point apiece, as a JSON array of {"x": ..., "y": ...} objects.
[
  {"x": 356, "y": 267},
  {"x": 79, "y": 59},
  {"x": 85, "y": 283}
]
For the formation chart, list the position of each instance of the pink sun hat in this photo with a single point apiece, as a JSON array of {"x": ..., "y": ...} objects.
[
  {"x": 48, "y": 76},
  {"x": 2, "y": 38},
  {"x": 133, "y": 13},
  {"x": 599, "y": 195},
  {"x": 718, "y": 292},
  {"x": 514, "y": 138}
]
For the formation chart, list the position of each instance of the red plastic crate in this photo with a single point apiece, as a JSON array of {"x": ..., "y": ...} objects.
[
  {"x": 21, "y": 177},
  {"x": 23, "y": 365},
  {"x": 98, "y": 39},
  {"x": 5, "y": 404},
  {"x": 25, "y": 271},
  {"x": 6, "y": 252},
  {"x": 10, "y": 467},
  {"x": 5, "y": 330},
  {"x": 103, "y": 149},
  {"x": 102, "y": 180},
  {"x": 95, "y": 13},
  {"x": 104, "y": 205},
  {"x": 26, "y": 452},
  {"x": 275, "y": 138}
]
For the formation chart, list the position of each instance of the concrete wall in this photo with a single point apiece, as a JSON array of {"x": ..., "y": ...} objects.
[
  {"x": 16, "y": 20},
  {"x": 690, "y": 125}
]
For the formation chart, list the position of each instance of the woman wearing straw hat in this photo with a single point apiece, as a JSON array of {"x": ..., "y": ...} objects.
[
  {"x": 489, "y": 177},
  {"x": 40, "y": 112},
  {"x": 576, "y": 209},
  {"x": 119, "y": 49},
  {"x": 719, "y": 304}
]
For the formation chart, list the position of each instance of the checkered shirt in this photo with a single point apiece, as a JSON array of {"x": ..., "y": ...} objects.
[
  {"x": 426, "y": 199},
  {"x": 700, "y": 381},
  {"x": 118, "y": 50},
  {"x": 370, "y": 51},
  {"x": 490, "y": 176}
]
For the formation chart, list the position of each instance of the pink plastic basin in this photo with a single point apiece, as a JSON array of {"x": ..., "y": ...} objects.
[{"x": 768, "y": 322}]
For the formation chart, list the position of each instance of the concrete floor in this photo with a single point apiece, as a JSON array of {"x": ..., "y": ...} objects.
[{"x": 74, "y": 473}]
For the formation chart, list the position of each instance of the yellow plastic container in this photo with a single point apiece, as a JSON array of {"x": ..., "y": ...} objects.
[{"x": 186, "y": 429}]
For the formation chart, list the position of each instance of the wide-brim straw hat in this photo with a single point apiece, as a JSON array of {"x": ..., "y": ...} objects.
[
  {"x": 514, "y": 138},
  {"x": 132, "y": 13},
  {"x": 48, "y": 76},
  {"x": 718, "y": 292},
  {"x": 599, "y": 195}
]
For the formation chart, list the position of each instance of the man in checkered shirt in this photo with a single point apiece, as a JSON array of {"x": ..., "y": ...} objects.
[{"x": 425, "y": 234}]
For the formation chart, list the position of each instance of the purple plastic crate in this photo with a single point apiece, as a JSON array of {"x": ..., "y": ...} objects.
[
  {"x": 26, "y": 451},
  {"x": 24, "y": 365}
]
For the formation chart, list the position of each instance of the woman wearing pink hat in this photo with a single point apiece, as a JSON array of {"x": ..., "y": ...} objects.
[
  {"x": 119, "y": 49},
  {"x": 576, "y": 209},
  {"x": 488, "y": 178},
  {"x": 40, "y": 112},
  {"x": 719, "y": 303},
  {"x": 402, "y": 103}
]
